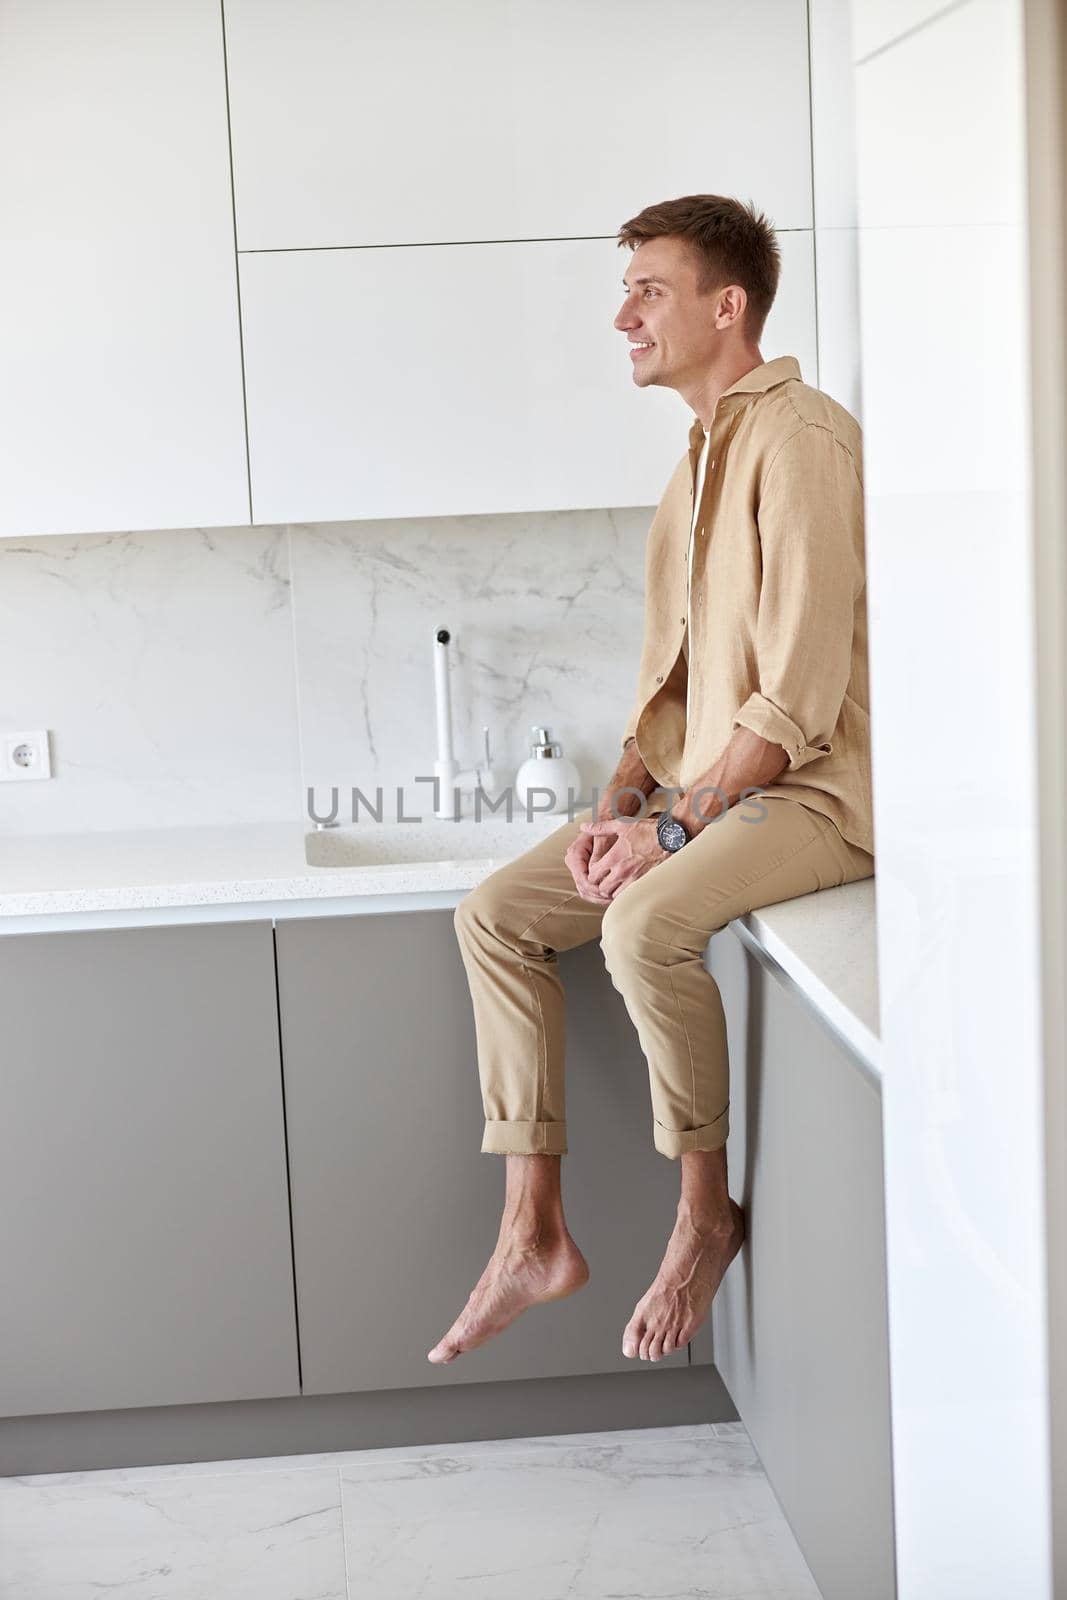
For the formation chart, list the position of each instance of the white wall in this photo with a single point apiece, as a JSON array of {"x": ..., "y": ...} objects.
[
  {"x": 1046, "y": 62},
  {"x": 833, "y": 158},
  {"x": 208, "y": 676},
  {"x": 946, "y": 404}
]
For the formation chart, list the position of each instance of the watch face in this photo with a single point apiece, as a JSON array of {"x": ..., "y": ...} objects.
[{"x": 671, "y": 834}]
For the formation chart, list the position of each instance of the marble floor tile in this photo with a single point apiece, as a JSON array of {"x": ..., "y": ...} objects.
[
  {"x": 672, "y": 1513},
  {"x": 640, "y": 1520},
  {"x": 248, "y": 1536}
]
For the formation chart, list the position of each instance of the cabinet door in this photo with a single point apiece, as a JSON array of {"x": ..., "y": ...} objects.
[
  {"x": 145, "y": 1251},
  {"x": 800, "y": 1324},
  {"x": 396, "y": 1208},
  {"x": 416, "y": 122},
  {"x": 463, "y": 379},
  {"x": 121, "y": 403}
]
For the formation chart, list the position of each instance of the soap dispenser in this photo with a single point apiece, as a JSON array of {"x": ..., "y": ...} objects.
[{"x": 546, "y": 767}]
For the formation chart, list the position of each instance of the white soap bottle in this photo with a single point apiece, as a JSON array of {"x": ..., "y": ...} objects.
[{"x": 546, "y": 767}]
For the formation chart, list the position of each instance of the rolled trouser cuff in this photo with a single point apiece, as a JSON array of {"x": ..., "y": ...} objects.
[
  {"x": 680, "y": 1141},
  {"x": 505, "y": 1138}
]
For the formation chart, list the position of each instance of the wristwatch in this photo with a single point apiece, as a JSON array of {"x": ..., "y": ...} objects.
[{"x": 671, "y": 833}]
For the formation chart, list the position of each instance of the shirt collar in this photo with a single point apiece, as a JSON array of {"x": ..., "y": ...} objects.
[{"x": 766, "y": 376}]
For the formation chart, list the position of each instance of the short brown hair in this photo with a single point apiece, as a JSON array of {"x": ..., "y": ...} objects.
[{"x": 733, "y": 242}]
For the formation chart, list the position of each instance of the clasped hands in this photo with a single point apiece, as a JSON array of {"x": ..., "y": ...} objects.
[{"x": 610, "y": 853}]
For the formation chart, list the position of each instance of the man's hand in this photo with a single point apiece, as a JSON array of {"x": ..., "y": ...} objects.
[
  {"x": 622, "y": 797},
  {"x": 625, "y": 850},
  {"x": 578, "y": 858}
]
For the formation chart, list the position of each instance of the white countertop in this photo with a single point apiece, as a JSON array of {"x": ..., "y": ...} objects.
[
  {"x": 146, "y": 868},
  {"x": 823, "y": 943}
]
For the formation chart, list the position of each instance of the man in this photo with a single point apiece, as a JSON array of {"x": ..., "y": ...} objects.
[{"x": 751, "y": 715}]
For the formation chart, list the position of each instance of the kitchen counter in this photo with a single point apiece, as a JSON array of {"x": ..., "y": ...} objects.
[
  {"x": 149, "y": 868},
  {"x": 823, "y": 944}
]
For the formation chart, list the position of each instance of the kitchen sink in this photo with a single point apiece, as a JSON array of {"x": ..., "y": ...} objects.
[{"x": 405, "y": 844}]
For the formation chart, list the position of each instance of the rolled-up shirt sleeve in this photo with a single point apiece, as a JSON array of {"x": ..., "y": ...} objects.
[{"x": 810, "y": 522}]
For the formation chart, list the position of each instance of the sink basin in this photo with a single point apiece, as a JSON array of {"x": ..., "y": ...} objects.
[{"x": 405, "y": 844}]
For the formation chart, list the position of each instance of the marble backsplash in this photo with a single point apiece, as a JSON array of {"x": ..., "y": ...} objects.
[{"x": 203, "y": 676}]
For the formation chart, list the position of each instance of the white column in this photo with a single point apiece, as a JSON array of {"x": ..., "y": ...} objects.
[{"x": 946, "y": 385}]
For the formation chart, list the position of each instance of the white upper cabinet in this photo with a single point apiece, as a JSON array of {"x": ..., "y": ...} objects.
[
  {"x": 427, "y": 198},
  {"x": 121, "y": 402},
  {"x": 424, "y": 122},
  {"x": 422, "y": 216},
  {"x": 464, "y": 378}
]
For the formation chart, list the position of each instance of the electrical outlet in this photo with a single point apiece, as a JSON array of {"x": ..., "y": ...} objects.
[{"x": 24, "y": 756}]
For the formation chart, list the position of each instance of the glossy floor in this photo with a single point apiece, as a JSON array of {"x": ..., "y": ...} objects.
[{"x": 652, "y": 1513}]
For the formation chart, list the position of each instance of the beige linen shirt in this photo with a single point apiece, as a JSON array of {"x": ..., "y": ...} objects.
[{"x": 776, "y": 596}]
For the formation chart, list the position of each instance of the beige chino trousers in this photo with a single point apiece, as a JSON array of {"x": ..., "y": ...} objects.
[{"x": 653, "y": 935}]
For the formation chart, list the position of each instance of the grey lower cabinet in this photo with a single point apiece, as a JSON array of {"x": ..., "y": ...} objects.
[
  {"x": 396, "y": 1209},
  {"x": 145, "y": 1249},
  {"x": 799, "y": 1327}
]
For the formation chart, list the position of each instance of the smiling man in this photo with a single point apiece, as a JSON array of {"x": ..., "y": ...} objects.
[{"x": 749, "y": 727}]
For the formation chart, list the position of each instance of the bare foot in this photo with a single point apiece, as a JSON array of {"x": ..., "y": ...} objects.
[
  {"x": 672, "y": 1310},
  {"x": 520, "y": 1274}
]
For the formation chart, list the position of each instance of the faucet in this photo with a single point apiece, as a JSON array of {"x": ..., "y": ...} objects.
[{"x": 453, "y": 780}]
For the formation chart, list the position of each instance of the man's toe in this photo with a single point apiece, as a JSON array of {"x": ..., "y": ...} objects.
[{"x": 445, "y": 1349}]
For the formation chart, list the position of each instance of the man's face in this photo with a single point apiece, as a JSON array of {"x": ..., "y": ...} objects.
[{"x": 670, "y": 327}]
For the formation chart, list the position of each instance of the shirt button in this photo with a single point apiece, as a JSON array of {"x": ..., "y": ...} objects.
[{"x": 659, "y": 679}]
